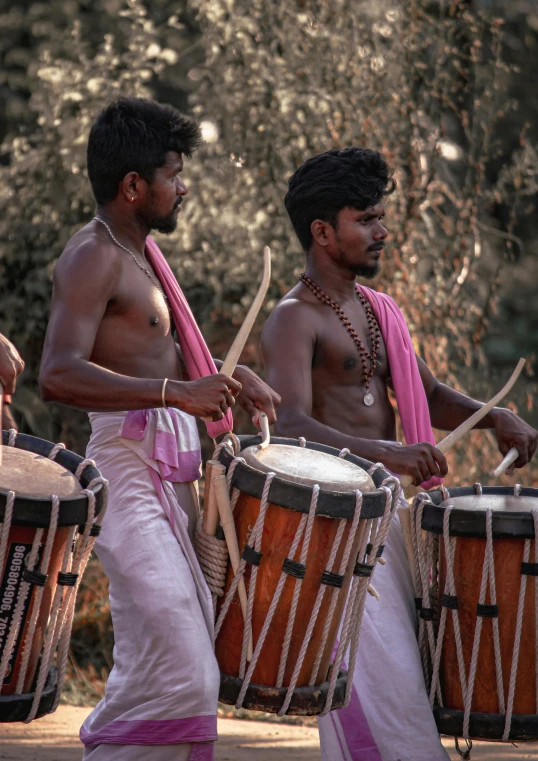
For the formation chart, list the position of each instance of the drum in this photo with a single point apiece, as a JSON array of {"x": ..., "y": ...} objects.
[
  {"x": 51, "y": 505},
  {"x": 476, "y": 579},
  {"x": 311, "y": 524}
]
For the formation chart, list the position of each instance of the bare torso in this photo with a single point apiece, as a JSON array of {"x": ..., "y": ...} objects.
[
  {"x": 134, "y": 336},
  {"x": 337, "y": 384}
]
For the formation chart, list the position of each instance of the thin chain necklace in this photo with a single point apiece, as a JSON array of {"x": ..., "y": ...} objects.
[
  {"x": 144, "y": 269},
  {"x": 373, "y": 332}
]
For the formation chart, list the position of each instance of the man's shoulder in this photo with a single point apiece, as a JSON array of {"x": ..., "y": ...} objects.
[
  {"x": 293, "y": 306},
  {"x": 88, "y": 249}
]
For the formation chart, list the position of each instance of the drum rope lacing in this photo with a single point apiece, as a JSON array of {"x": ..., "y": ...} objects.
[
  {"x": 75, "y": 557},
  {"x": 431, "y": 642},
  {"x": 374, "y": 536}
]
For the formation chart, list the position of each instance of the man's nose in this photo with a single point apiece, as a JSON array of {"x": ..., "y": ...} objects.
[
  {"x": 381, "y": 232},
  {"x": 181, "y": 188}
]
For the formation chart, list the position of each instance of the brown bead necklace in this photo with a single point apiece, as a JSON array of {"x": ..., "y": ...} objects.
[{"x": 373, "y": 332}]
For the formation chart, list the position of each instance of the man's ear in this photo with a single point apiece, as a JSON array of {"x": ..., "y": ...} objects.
[
  {"x": 132, "y": 187},
  {"x": 321, "y": 231}
]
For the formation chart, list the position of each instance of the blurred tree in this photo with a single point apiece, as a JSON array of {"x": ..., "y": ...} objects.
[
  {"x": 45, "y": 194},
  {"x": 425, "y": 83}
]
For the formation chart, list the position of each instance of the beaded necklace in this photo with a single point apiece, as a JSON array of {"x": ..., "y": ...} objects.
[{"x": 373, "y": 332}]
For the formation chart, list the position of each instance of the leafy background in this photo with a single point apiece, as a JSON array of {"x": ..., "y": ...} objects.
[{"x": 445, "y": 88}]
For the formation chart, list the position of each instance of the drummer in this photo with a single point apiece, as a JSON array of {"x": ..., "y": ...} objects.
[
  {"x": 109, "y": 350},
  {"x": 333, "y": 350}
]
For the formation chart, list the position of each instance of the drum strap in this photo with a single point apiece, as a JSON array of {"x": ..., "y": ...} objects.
[
  {"x": 294, "y": 568},
  {"x": 251, "y": 556},
  {"x": 529, "y": 569},
  {"x": 487, "y": 611}
]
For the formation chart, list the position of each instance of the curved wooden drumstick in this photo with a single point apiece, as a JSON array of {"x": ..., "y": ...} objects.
[
  {"x": 449, "y": 441},
  {"x": 509, "y": 459},
  {"x": 232, "y": 358},
  {"x": 446, "y": 444}
]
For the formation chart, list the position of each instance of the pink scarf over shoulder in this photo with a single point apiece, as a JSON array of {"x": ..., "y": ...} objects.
[
  {"x": 194, "y": 349},
  {"x": 408, "y": 387}
]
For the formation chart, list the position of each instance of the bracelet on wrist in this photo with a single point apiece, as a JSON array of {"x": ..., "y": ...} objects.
[{"x": 163, "y": 393}]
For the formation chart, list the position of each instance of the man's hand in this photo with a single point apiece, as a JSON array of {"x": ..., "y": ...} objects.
[
  {"x": 256, "y": 395},
  {"x": 420, "y": 461},
  {"x": 512, "y": 431},
  {"x": 8, "y": 421},
  {"x": 11, "y": 365},
  {"x": 208, "y": 397}
]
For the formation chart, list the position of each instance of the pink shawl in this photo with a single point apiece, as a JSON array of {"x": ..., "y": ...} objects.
[
  {"x": 195, "y": 353},
  {"x": 408, "y": 387}
]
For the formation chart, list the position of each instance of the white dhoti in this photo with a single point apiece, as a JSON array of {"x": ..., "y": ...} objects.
[
  {"x": 163, "y": 689},
  {"x": 389, "y": 717}
]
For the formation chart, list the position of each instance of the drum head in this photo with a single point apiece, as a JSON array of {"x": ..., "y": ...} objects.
[
  {"x": 31, "y": 475},
  {"x": 497, "y": 502},
  {"x": 309, "y": 467}
]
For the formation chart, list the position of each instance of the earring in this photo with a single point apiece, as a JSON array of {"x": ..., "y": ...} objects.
[{"x": 132, "y": 199}]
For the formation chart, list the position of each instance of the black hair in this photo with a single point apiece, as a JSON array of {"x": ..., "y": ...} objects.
[
  {"x": 134, "y": 135},
  {"x": 325, "y": 184}
]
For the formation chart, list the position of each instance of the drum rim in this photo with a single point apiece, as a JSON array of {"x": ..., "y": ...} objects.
[
  {"x": 472, "y": 523},
  {"x": 35, "y": 512},
  {"x": 297, "y": 497},
  {"x": 486, "y": 726}
]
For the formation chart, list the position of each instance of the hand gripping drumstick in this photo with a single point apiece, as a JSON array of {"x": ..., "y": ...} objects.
[
  {"x": 446, "y": 444},
  {"x": 509, "y": 459}
]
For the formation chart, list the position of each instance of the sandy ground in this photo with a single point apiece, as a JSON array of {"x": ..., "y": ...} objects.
[{"x": 55, "y": 738}]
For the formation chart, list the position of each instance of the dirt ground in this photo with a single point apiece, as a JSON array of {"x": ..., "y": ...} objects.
[{"x": 55, "y": 738}]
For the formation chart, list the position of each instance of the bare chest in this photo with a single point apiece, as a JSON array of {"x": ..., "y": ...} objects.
[
  {"x": 138, "y": 306},
  {"x": 339, "y": 354}
]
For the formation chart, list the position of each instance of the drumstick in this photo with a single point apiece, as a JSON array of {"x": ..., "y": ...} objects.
[
  {"x": 220, "y": 487},
  {"x": 509, "y": 458},
  {"x": 446, "y": 444},
  {"x": 449, "y": 441},
  {"x": 211, "y": 513},
  {"x": 232, "y": 358}
]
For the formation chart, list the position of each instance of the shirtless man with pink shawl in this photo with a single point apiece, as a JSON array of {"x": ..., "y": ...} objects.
[
  {"x": 110, "y": 350},
  {"x": 332, "y": 349}
]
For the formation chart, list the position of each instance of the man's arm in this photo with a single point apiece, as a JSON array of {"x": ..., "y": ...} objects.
[
  {"x": 84, "y": 282},
  {"x": 450, "y": 408},
  {"x": 288, "y": 342},
  {"x": 11, "y": 365}
]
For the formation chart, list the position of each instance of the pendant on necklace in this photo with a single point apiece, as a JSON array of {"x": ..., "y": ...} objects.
[{"x": 368, "y": 399}]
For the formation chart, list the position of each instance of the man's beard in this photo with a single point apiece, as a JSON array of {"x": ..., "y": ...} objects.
[
  {"x": 164, "y": 225},
  {"x": 367, "y": 272}
]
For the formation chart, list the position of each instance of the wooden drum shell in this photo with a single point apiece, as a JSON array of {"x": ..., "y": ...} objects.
[
  {"x": 279, "y": 530},
  {"x": 19, "y": 536},
  {"x": 508, "y": 556},
  {"x": 512, "y": 526},
  {"x": 31, "y": 473}
]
